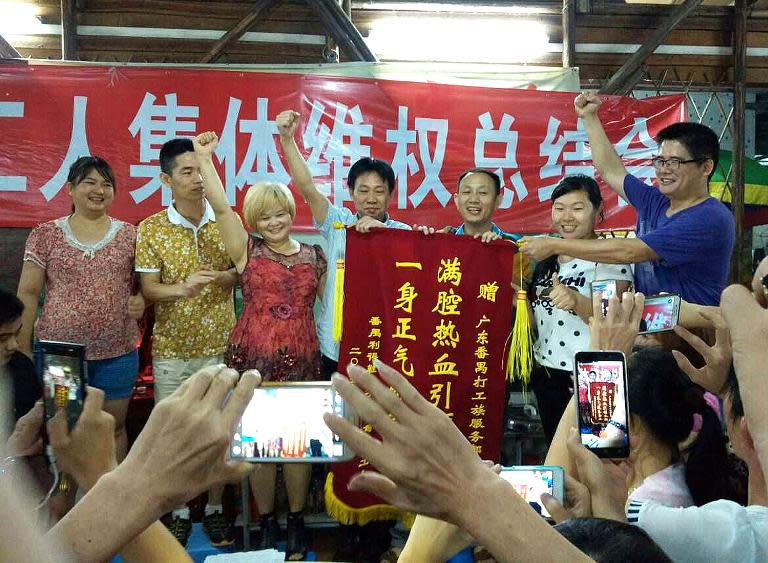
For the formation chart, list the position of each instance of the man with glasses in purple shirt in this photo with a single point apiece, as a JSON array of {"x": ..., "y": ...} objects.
[{"x": 684, "y": 236}]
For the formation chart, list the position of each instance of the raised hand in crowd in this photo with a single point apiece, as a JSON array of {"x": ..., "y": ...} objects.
[
  {"x": 618, "y": 329},
  {"x": 586, "y": 103},
  {"x": 428, "y": 467},
  {"x": 717, "y": 358},
  {"x": 287, "y": 122},
  {"x": 180, "y": 453},
  {"x": 748, "y": 325}
]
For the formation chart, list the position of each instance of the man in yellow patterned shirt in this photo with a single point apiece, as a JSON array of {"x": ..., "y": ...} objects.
[{"x": 186, "y": 271}]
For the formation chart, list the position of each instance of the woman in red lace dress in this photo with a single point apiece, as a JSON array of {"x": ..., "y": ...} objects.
[{"x": 275, "y": 334}]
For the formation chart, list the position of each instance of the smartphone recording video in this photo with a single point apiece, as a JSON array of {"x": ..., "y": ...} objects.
[
  {"x": 660, "y": 313},
  {"x": 601, "y": 384},
  {"x": 64, "y": 377},
  {"x": 530, "y": 481},
  {"x": 608, "y": 289},
  {"x": 284, "y": 423}
]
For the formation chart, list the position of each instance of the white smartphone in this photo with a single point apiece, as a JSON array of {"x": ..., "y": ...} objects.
[
  {"x": 530, "y": 481},
  {"x": 660, "y": 313},
  {"x": 284, "y": 423}
]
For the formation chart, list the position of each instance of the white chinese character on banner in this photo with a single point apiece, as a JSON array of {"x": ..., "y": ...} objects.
[
  {"x": 261, "y": 162},
  {"x": 12, "y": 183},
  {"x": 553, "y": 147},
  {"x": 504, "y": 134},
  {"x": 405, "y": 163},
  {"x": 341, "y": 146},
  {"x": 637, "y": 144},
  {"x": 78, "y": 146},
  {"x": 155, "y": 125}
]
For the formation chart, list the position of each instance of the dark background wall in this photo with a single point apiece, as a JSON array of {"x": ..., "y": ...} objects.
[{"x": 11, "y": 254}]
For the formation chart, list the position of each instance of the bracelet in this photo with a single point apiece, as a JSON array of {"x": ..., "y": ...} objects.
[{"x": 618, "y": 425}]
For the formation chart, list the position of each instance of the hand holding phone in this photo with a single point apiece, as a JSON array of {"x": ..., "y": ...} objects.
[
  {"x": 601, "y": 393},
  {"x": 531, "y": 481},
  {"x": 284, "y": 423},
  {"x": 607, "y": 289}
]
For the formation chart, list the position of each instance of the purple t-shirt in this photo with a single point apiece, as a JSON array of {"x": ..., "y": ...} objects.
[{"x": 694, "y": 245}]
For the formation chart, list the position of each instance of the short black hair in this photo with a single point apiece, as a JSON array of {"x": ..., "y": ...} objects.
[
  {"x": 170, "y": 150},
  {"x": 83, "y": 166},
  {"x": 11, "y": 307},
  {"x": 733, "y": 391},
  {"x": 579, "y": 183},
  {"x": 491, "y": 173},
  {"x": 698, "y": 139},
  {"x": 367, "y": 164},
  {"x": 610, "y": 541}
]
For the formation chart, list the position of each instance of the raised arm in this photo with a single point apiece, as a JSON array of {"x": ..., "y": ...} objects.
[
  {"x": 606, "y": 160},
  {"x": 30, "y": 285},
  {"x": 230, "y": 226},
  {"x": 287, "y": 123}
]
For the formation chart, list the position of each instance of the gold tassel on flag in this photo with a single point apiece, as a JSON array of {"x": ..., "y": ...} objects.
[
  {"x": 338, "y": 294},
  {"x": 520, "y": 355}
]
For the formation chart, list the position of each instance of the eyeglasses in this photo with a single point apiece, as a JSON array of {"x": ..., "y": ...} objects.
[{"x": 672, "y": 163}]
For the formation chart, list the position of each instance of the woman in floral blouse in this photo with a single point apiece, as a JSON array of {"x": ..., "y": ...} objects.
[{"x": 84, "y": 262}]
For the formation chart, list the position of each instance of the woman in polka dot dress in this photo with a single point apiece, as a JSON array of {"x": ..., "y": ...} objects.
[{"x": 561, "y": 297}]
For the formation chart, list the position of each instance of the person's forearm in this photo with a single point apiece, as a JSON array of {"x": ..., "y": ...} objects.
[
  {"x": 302, "y": 178},
  {"x": 123, "y": 500},
  {"x": 558, "y": 449},
  {"x": 214, "y": 189},
  {"x": 604, "y": 155},
  {"x": 27, "y": 321},
  {"x": 156, "y": 543},
  {"x": 494, "y": 514},
  {"x": 607, "y": 251},
  {"x": 155, "y": 292},
  {"x": 583, "y": 307}
]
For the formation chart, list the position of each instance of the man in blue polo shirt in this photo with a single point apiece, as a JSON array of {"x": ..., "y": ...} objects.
[{"x": 684, "y": 236}]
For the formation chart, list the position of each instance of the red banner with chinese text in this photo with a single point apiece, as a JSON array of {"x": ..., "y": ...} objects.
[
  {"x": 439, "y": 309},
  {"x": 51, "y": 114}
]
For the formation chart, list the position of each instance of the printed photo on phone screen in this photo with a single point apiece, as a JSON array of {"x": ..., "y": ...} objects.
[
  {"x": 602, "y": 412},
  {"x": 530, "y": 485}
]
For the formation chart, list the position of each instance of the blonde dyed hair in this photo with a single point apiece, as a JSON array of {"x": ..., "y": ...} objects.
[{"x": 264, "y": 195}]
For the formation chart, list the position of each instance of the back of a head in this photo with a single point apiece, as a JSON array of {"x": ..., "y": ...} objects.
[
  {"x": 666, "y": 400},
  {"x": 609, "y": 541},
  {"x": 700, "y": 141},
  {"x": 11, "y": 307},
  {"x": 170, "y": 150}
]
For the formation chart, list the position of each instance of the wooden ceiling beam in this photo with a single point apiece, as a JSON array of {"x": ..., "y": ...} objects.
[
  {"x": 624, "y": 79},
  {"x": 569, "y": 33},
  {"x": 7, "y": 51},
  {"x": 237, "y": 31},
  {"x": 342, "y": 30},
  {"x": 69, "y": 30}
]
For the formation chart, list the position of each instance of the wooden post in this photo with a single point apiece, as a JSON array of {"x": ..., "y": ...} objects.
[
  {"x": 237, "y": 30},
  {"x": 569, "y": 33},
  {"x": 7, "y": 51},
  {"x": 68, "y": 30},
  {"x": 737, "y": 162}
]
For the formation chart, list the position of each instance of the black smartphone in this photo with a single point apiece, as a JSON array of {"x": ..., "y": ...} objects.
[
  {"x": 64, "y": 377},
  {"x": 284, "y": 423},
  {"x": 660, "y": 313},
  {"x": 601, "y": 393}
]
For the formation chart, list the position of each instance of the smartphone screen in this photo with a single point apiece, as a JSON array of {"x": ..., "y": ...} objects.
[
  {"x": 660, "y": 313},
  {"x": 602, "y": 402},
  {"x": 530, "y": 481},
  {"x": 284, "y": 423},
  {"x": 608, "y": 290},
  {"x": 63, "y": 372}
]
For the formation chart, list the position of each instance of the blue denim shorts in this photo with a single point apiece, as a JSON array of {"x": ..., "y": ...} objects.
[{"x": 115, "y": 376}]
